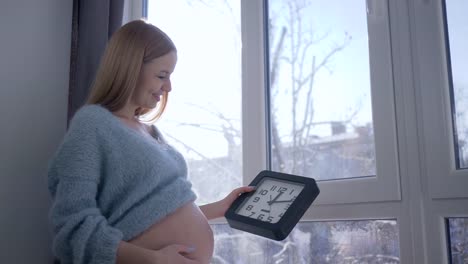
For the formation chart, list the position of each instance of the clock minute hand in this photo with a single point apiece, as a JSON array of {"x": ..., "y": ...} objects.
[{"x": 284, "y": 201}]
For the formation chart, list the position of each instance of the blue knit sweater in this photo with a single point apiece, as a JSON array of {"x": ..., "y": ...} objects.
[{"x": 109, "y": 183}]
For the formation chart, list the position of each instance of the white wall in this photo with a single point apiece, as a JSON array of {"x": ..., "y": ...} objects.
[{"x": 34, "y": 68}]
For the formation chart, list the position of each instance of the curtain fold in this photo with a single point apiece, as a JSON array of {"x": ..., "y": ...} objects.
[{"x": 93, "y": 23}]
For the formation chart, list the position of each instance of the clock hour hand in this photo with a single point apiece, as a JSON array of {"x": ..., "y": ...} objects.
[{"x": 274, "y": 199}]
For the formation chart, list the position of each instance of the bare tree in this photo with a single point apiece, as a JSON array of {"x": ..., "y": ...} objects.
[{"x": 294, "y": 49}]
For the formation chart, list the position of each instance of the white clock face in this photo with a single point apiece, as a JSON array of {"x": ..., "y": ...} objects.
[{"x": 271, "y": 200}]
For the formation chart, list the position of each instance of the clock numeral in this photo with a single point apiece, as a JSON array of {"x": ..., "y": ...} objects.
[
  {"x": 263, "y": 192},
  {"x": 256, "y": 199},
  {"x": 260, "y": 216},
  {"x": 273, "y": 188},
  {"x": 248, "y": 208},
  {"x": 282, "y": 189},
  {"x": 251, "y": 214},
  {"x": 270, "y": 218}
]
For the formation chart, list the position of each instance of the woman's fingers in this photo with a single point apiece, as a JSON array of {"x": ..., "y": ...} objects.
[
  {"x": 183, "y": 248},
  {"x": 177, "y": 254},
  {"x": 238, "y": 191}
]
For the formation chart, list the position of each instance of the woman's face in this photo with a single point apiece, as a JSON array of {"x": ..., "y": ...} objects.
[{"x": 154, "y": 79}]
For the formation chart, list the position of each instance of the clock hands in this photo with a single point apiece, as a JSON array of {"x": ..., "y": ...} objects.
[
  {"x": 284, "y": 201},
  {"x": 274, "y": 199},
  {"x": 269, "y": 205}
]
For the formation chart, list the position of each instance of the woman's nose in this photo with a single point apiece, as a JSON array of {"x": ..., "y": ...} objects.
[{"x": 167, "y": 86}]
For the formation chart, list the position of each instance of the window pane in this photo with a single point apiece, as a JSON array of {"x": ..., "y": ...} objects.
[
  {"x": 458, "y": 60},
  {"x": 321, "y": 116},
  {"x": 312, "y": 242},
  {"x": 204, "y": 109},
  {"x": 458, "y": 228}
]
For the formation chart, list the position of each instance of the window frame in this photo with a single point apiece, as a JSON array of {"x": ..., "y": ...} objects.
[
  {"x": 442, "y": 186},
  {"x": 385, "y": 186},
  {"x": 445, "y": 180}
]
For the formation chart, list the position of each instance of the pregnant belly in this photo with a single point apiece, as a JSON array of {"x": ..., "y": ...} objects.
[{"x": 186, "y": 226}]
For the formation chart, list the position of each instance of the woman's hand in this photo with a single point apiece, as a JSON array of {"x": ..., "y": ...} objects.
[
  {"x": 128, "y": 253},
  {"x": 174, "y": 254},
  {"x": 225, "y": 203},
  {"x": 219, "y": 208}
]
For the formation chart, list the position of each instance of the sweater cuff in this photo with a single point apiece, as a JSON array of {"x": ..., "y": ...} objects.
[{"x": 110, "y": 244}]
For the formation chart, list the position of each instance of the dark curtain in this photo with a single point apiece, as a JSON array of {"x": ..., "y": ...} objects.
[{"x": 93, "y": 23}]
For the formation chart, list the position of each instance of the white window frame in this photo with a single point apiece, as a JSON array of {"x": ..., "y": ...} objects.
[
  {"x": 423, "y": 187},
  {"x": 445, "y": 181},
  {"x": 444, "y": 187},
  {"x": 349, "y": 199},
  {"x": 385, "y": 186}
]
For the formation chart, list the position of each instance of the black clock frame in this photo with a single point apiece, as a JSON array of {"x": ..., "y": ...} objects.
[{"x": 281, "y": 229}]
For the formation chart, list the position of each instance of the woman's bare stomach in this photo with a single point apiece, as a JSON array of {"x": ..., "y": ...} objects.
[{"x": 186, "y": 226}]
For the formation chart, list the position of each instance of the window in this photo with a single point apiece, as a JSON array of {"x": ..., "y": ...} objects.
[
  {"x": 440, "y": 62},
  {"x": 367, "y": 97},
  {"x": 300, "y": 134},
  {"x": 203, "y": 118},
  {"x": 444, "y": 94},
  {"x": 458, "y": 65},
  {"x": 324, "y": 242},
  {"x": 458, "y": 237},
  {"x": 321, "y": 115}
]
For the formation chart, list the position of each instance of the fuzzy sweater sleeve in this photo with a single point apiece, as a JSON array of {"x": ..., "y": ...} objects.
[{"x": 81, "y": 233}]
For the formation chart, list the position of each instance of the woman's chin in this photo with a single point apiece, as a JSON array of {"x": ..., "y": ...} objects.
[{"x": 151, "y": 105}]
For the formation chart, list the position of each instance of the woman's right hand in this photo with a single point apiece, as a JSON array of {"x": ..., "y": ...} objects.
[
  {"x": 174, "y": 254},
  {"x": 128, "y": 253}
]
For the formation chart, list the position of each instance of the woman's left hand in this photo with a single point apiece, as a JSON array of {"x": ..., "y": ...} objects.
[
  {"x": 219, "y": 208},
  {"x": 229, "y": 199}
]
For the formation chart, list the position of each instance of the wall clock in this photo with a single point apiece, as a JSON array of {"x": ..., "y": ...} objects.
[{"x": 275, "y": 207}]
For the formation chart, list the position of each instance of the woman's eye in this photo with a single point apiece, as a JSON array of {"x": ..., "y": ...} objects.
[{"x": 162, "y": 77}]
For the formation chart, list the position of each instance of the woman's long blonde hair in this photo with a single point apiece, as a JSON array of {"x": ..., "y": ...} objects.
[{"x": 134, "y": 44}]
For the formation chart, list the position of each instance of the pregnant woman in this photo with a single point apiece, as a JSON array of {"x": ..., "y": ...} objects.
[{"x": 120, "y": 192}]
